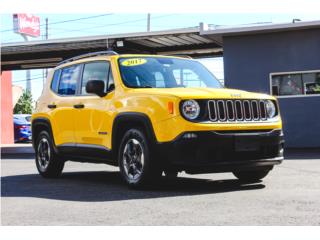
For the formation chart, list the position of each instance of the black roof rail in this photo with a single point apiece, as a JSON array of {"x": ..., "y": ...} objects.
[
  {"x": 93, "y": 54},
  {"x": 179, "y": 55}
]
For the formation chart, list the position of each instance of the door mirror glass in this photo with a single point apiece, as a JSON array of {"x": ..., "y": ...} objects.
[{"x": 96, "y": 87}]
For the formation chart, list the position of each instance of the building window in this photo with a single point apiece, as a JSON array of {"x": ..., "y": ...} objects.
[{"x": 293, "y": 84}]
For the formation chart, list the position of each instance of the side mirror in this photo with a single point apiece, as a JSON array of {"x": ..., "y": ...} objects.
[
  {"x": 96, "y": 87},
  {"x": 111, "y": 87}
]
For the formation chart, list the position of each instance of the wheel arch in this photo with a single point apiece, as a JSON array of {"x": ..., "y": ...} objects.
[
  {"x": 127, "y": 120},
  {"x": 38, "y": 125}
]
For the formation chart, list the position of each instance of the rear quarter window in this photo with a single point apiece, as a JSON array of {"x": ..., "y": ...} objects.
[{"x": 55, "y": 80}]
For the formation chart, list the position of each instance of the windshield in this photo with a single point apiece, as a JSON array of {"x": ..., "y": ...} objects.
[{"x": 163, "y": 72}]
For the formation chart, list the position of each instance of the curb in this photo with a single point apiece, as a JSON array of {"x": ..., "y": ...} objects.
[{"x": 17, "y": 150}]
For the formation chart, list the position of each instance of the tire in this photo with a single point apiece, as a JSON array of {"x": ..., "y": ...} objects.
[
  {"x": 251, "y": 176},
  {"x": 137, "y": 167},
  {"x": 47, "y": 161}
]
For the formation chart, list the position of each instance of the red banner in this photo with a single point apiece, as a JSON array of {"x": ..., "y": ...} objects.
[{"x": 26, "y": 24}]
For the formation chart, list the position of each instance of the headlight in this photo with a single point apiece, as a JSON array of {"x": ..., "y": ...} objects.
[
  {"x": 190, "y": 109},
  {"x": 271, "y": 109}
]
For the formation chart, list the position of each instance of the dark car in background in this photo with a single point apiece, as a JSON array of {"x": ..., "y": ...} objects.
[{"x": 22, "y": 127}]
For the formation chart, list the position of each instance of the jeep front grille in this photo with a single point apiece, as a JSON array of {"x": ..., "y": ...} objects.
[{"x": 237, "y": 110}]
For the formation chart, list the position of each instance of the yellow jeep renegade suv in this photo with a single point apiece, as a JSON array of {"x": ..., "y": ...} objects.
[{"x": 150, "y": 114}]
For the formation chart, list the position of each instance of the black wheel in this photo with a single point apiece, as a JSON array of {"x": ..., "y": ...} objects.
[
  {"x": 135, "y": 160},
  {"x": 47, "y": 161},
  {"x": 251, "y": 176}
]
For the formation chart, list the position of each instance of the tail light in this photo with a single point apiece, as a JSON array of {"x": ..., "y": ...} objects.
[{"x": 21, "y": 127}]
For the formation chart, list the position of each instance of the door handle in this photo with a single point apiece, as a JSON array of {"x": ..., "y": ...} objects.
[
  {"x": 52, "y": 106},
  {"x": 80, "y": 105}
]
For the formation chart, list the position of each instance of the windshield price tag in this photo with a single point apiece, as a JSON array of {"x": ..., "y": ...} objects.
[{"x": 133, "y": 62}]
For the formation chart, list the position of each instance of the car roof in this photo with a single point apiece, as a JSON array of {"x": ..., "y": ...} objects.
[
  {"x": 21, "y": 118},
  {"x": 22, "y": 115},
  {"x": 116, "y": 56}
]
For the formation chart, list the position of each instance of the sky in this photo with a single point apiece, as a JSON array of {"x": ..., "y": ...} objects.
[{"x": 76, "y": 25}]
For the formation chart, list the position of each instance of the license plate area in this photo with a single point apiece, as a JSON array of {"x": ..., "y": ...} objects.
[{"x": 246, "y": 144}]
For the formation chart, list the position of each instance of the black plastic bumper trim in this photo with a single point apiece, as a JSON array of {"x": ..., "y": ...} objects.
[{"x": 216, "y": 151}]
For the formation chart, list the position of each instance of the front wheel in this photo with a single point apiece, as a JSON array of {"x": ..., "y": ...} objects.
[
  {"x": 251, "y": 176},
  {"x": 136, "y": 165}
]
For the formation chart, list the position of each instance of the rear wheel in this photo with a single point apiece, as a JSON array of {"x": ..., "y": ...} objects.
[
  {"x": 47, "y": 161},
  {"x": 251, "y": 176},
  {"x": 135, "y": 159}
]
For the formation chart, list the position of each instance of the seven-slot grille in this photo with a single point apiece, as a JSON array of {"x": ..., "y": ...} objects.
[{"x": 237, "y": 110}]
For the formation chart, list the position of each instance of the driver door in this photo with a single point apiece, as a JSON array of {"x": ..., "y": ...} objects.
[{"x": 93, "y": 117}]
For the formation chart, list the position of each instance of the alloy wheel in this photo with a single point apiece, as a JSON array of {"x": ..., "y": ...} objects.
[
  {"x": 43, "y": 154},
  {"x": 133, "y": 159}
]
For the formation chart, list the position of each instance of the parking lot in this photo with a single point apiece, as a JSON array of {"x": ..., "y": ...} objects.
[{"x": 88, "y": 194}]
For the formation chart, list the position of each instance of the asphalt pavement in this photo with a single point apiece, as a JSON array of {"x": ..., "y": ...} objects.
[{"x": 93, "y": 194}]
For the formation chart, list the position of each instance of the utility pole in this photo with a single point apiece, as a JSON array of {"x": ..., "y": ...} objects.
[
  {"x": 47, "y": 29},
  {"x": 28, "y": 73},
  {"x": 45, "y": 71},
  {"x": 47, "y": 36},
  {"x": 148, "y": 22}
]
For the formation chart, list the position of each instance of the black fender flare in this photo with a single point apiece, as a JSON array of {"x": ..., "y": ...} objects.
[
  {"x": 41, "y": 121},
  {"x": 132, "y": 117}
]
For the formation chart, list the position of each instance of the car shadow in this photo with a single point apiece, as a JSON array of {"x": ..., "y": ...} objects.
[
  {"x": 302, "y": 154},
  {"x": 108, "y": 186},
  {"x": 20, "y": 157}
]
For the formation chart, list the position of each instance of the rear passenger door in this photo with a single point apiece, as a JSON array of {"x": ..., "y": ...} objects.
[
  {"x": 61, "y": 106},
  {"x": 93, "y": 119}
]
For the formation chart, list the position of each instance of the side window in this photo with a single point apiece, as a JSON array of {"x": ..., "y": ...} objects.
[
  {"x": 110, "y": 81},
  {"x": 94, "y": 71},
  {"x": 55, "y": 80},
  {"x": 159, "y": 79},
  {"x": 187, "y": 78},
  {"x": 177, "y": 74},
  {"x": 68, "y": 80}
]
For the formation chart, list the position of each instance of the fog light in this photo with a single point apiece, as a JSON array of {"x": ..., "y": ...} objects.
[
  {"x": 281, "y": 150},
  {"x": 190, "y": 135}
]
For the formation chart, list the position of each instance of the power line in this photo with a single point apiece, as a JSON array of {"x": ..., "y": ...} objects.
[
  {"x": 24, "y": 80},
  {"x": 100, "y": 26},
  {"x": 112, "y": 24},
  {"x": 62, "y": 30},
  {"x": 34, "y": 75},
  {"x": 65, "y": 21}
]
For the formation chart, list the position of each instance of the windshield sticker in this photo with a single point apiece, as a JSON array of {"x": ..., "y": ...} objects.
[{"x": 133, "y": 62}]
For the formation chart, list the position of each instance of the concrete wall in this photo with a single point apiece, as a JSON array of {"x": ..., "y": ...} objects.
[
  {"x": 248, "y": 61},
  {"x": 6, "y": 108}
]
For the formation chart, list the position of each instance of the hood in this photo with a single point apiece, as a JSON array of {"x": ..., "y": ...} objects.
[{"x": 203, "y": 93}]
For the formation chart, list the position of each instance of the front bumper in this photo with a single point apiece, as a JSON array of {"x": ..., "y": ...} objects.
[{"x": 222, "y": 151}]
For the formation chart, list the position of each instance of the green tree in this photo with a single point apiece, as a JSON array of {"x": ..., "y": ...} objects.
[{"x": 24, "y": 104}]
